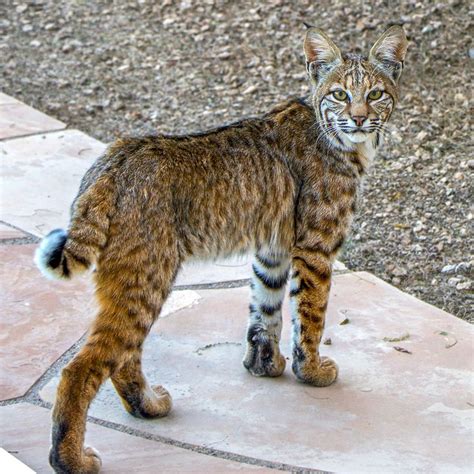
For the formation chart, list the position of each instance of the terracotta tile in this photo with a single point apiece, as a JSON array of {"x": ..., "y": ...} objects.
[
  {"x": 7, "y": 232},
  {"x": 24, "y": 432},
  {"x": 40, "y": 319},
  {"x": 18, "y": 119},
  {"x": 388, "y": 412},
  {"x": 41, "y": 176}
]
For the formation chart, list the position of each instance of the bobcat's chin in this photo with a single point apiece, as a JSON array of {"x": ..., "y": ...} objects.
[{"x": 357, "y": 137}]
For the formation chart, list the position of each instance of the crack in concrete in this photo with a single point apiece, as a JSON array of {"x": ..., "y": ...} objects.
[
  {"x": 34, "y": 134},
  {"x": 200, "y": 350}
]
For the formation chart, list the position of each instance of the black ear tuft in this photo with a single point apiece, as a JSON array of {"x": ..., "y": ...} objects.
[
  {"x": 389, "y": 52},
  {"x": 307, "y": 25},
  {"x": 320, "y": 52}
]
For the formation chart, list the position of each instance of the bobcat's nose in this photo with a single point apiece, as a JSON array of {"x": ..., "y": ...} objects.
[{"x": 359, "y": 119}]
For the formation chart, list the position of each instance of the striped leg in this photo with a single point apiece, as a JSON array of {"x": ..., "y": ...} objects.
[
  {"x": 309, "y": 292},
  {"x": 264, "y": 328}
]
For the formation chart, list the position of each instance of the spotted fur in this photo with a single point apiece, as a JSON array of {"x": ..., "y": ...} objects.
[{"x": 283, "y": 185}]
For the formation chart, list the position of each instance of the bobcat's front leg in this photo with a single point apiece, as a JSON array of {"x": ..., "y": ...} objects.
[
  {"x": 263, "y": 355},
  {"x": 309, "y": 292}
]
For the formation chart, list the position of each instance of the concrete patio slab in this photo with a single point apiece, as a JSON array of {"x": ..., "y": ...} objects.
[
  {"x": 18, "y": 119},
  {"x": 389, "y": 411},
  {"x": 223, "y": 270},
  {"x": 199, "y": 273},
  {"x": 40, "y": 319},
  {"x": 40, "y": 178},
  {"x": 24, "y": 432},
  {"x": 8, "y": 99}
]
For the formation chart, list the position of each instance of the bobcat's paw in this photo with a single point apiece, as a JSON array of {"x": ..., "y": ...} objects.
[
  {"x": 320, "y": 373},
  {"x": 88, "y": 462},
  {"x": 263, "y": 357},
  {"x": 153, "y": 402}
]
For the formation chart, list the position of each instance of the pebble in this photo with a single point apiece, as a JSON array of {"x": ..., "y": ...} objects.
[
  {"x": 421, "y": 136},
  {"x": 454, "y": 281},
  {"x": 465, "y": 285},
  {"x": 250, "y": 90},
  {"x": 460, "y": 98},
  {"x": 462, "y": 267}
]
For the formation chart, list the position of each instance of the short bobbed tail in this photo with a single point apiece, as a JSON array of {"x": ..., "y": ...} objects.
[{"x": 55, "y": 260}]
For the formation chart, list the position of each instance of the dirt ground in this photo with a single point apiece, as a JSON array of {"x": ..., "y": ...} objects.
[{"x": 109, "y": 68}]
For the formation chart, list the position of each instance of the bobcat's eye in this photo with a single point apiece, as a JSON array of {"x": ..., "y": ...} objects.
[
  {"x": 375, "y": 95},
  {"x": 339, "y": 95}
]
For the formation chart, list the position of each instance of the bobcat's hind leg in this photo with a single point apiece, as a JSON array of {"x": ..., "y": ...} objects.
[
  {"x": 138, "y": 397},
  {"x": 270, "y": 273},
  {"x": 130, "y": 294}
]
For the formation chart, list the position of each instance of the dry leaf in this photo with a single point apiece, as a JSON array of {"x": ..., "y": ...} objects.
[
  {"x": 344, "y": 321},
  {"x": 449, "y": 338},
  {"x": 402, "y": 349},
  {"x": 327, "y": 341}
]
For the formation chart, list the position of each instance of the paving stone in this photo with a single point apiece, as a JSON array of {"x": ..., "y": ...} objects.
[
  {"x": 18, "y": 119},
  {"x": 24, "y": 432},
  {"x": 41, "y": 176},
  {"x": 7, "y": 232},
  {"x": 198, "y": 273},
  {"x": 235, "y": 268},
  {"x": 7, "y": 99},
  {"x": 40, "y": 319},
  {"x": 389, "y": 411}
]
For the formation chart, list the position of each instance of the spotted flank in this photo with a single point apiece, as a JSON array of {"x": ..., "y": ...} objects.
[{"x": 284, "y": 185}]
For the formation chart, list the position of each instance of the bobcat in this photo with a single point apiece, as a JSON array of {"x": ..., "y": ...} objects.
[{"x": 283, "y": 186}]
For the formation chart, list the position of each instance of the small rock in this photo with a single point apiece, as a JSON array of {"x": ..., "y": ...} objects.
[
  {"x": 454, "y": 281},
  {"x": 428, "y": 29},
  {"x": 448, "y": 269},
  {"x": 463, "y": 267},
  {"x": 465, "y": 285},
  {"x": 250, "y": 90},
  {"x": 397, "y": 271},
  {"x": 421, "y": 136},
  {"x": 118, "y": 106}
]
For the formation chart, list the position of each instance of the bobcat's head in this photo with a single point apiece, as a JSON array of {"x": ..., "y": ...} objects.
[{"x": 353, "y": 95}]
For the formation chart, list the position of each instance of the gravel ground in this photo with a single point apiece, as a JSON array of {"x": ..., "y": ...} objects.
[{"x": 109, "y": 68}]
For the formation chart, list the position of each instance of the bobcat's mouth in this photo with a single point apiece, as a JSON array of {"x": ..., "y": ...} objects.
[{"x": 357, "y": 136}]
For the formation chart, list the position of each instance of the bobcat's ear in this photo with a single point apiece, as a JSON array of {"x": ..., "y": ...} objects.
[
  {"x": 389, "y": 52},
  {"x": 321, "y": 53}
]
